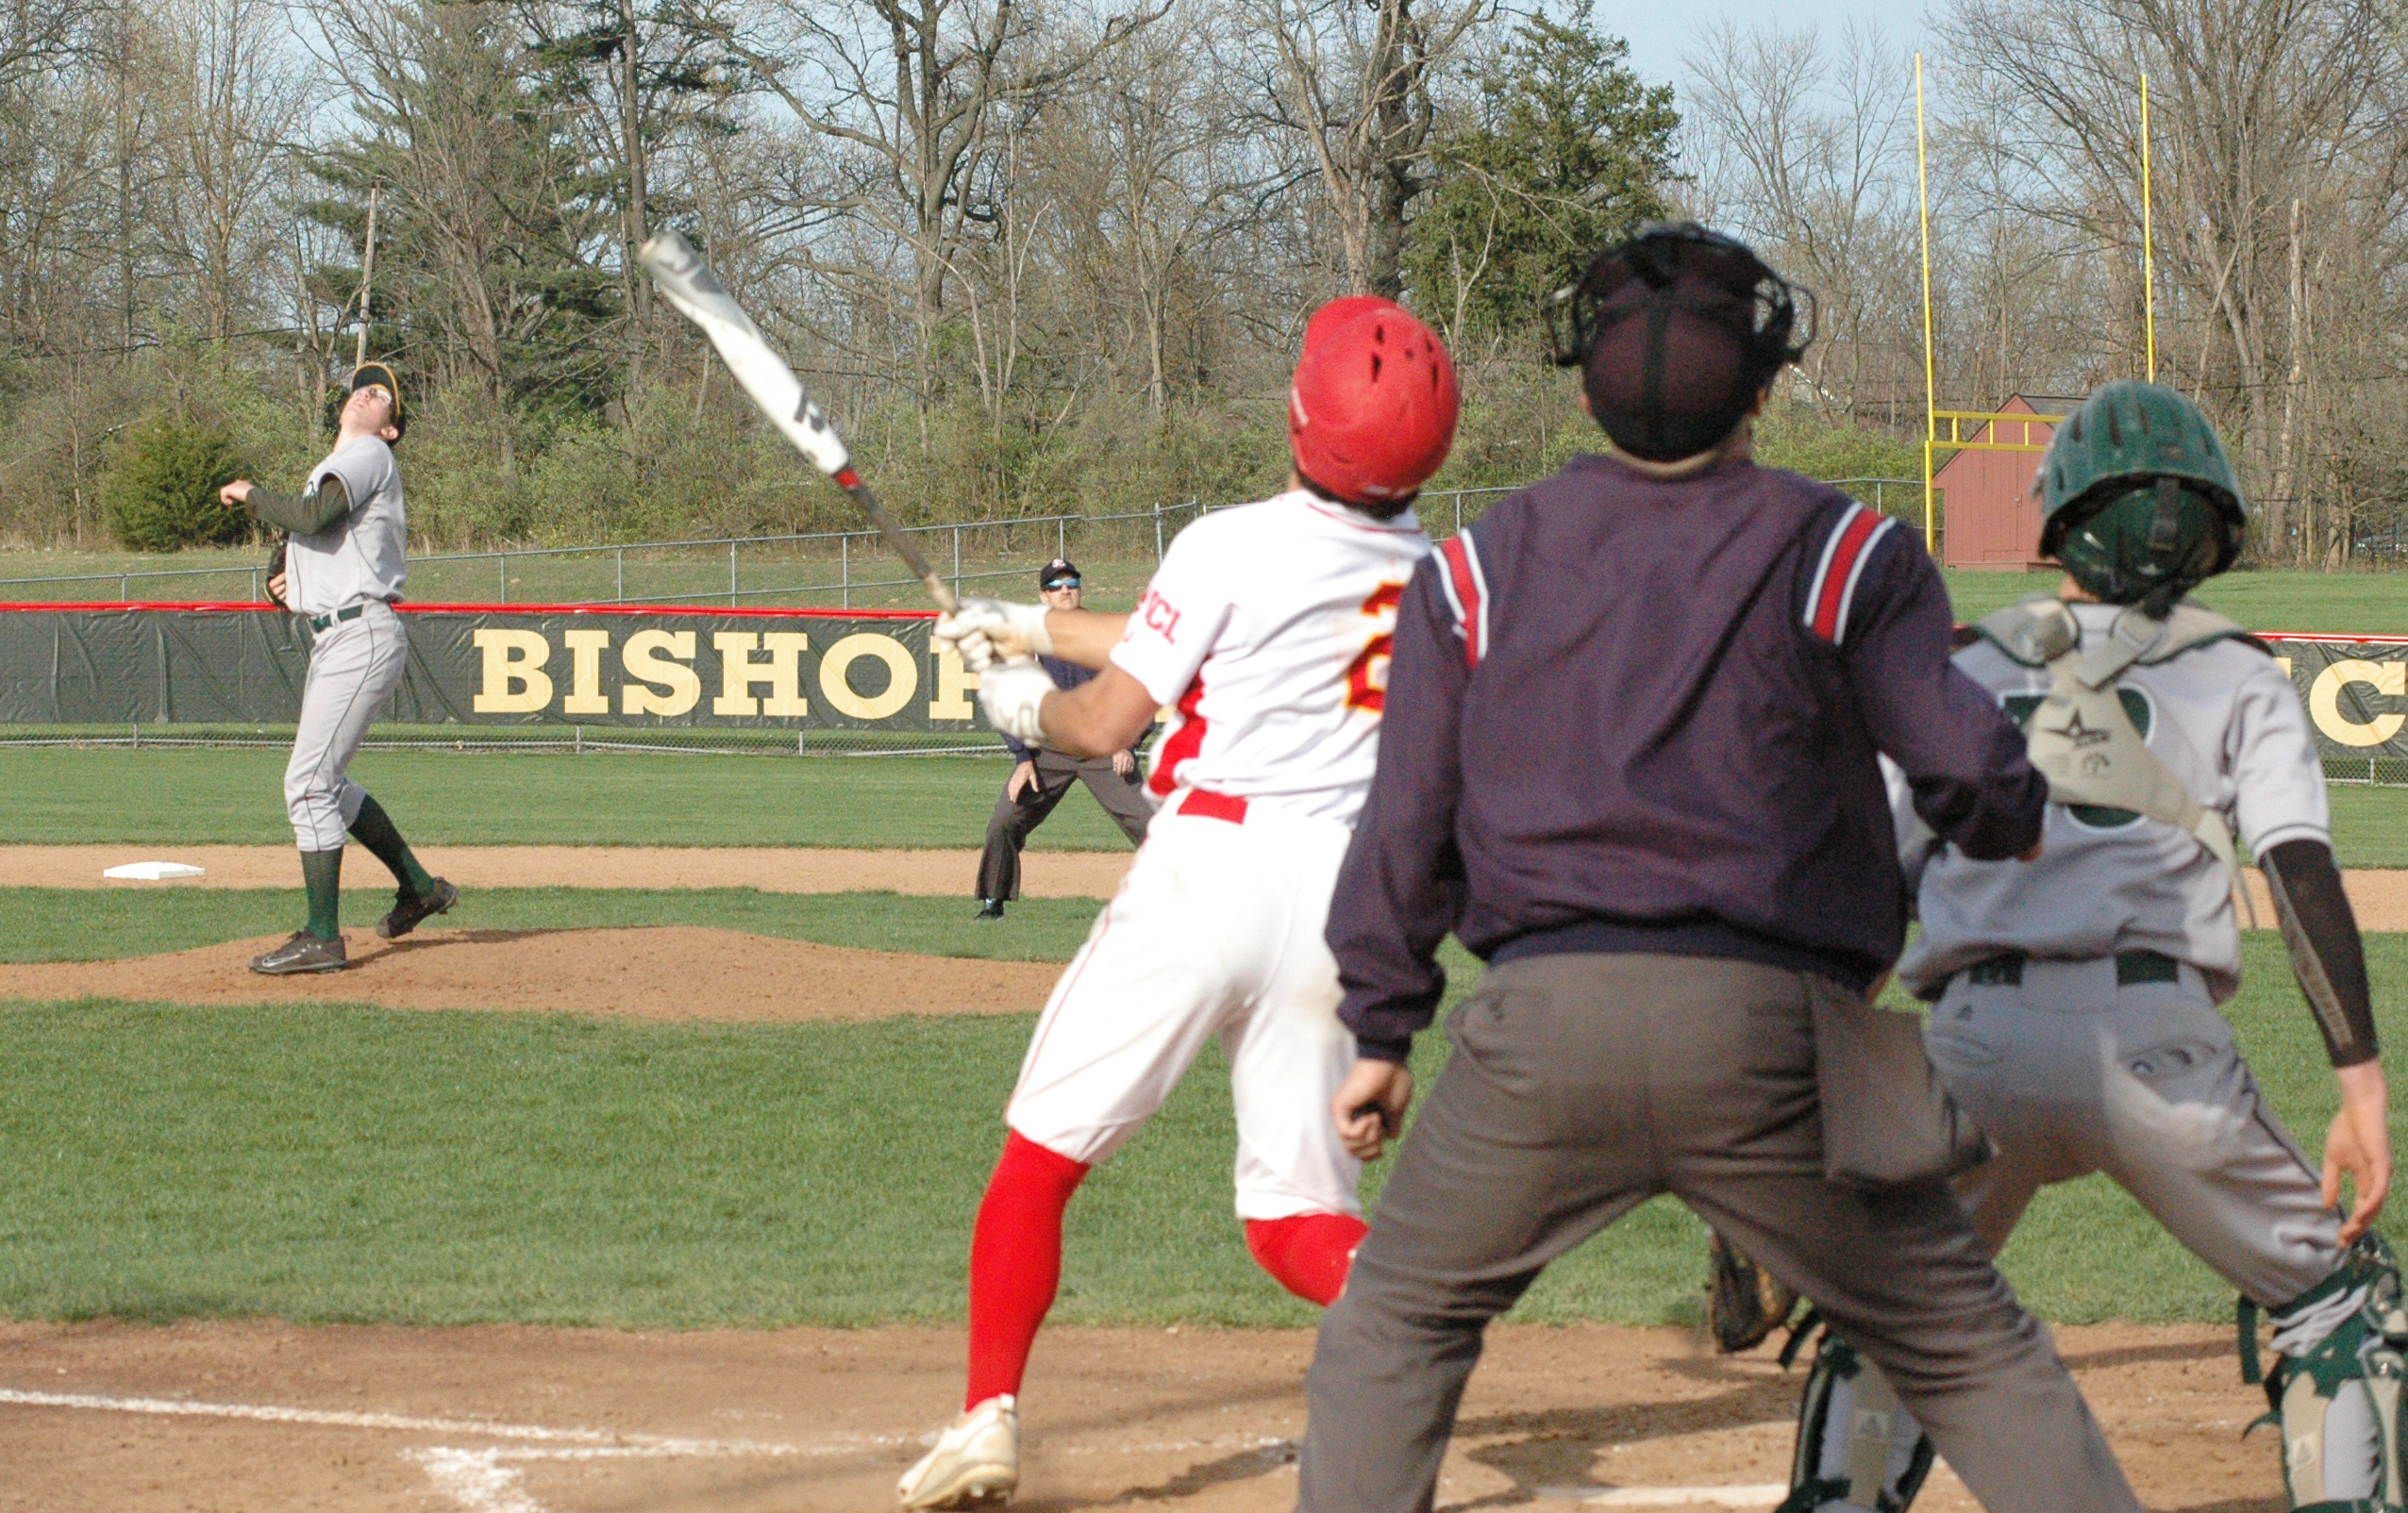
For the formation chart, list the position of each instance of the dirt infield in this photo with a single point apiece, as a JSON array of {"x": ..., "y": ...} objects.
[
  {"x": 266, "y": 1418},
  {"x": 773, "y": 870},
  {"x": 665, "y": 972},
  {"x": 2380, "y": 895}
]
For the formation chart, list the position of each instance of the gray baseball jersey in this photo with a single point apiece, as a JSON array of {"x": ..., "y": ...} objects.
[
  {"x": 2227, "y": 721},
  {"x": 359, "y": 556}
]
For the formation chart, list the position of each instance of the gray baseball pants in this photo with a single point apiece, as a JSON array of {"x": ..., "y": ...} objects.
[
  {"x": 2070, "y": 1073},
  {"x": 1582, "y": 1086},
  {"x": 1008, "y": 827},
  {"x": 354, "y": 667}
]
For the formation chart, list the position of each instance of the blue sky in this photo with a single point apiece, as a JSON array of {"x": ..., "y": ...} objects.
[{"x": 1659, "y": 31}]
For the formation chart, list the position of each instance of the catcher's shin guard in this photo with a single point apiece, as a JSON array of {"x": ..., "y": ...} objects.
[
  {"x": 2336, "y": 1393},
  {"x": 1857, "y": 1448}
]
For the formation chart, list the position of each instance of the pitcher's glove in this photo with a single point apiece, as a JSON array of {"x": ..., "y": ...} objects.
[
  {"x": 275, "y": 575},
  {"x": 1744, "y": 1301}
]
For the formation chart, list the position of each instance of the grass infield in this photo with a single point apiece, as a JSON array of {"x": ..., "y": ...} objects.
[
  {"x": 61, "y": 796},
  {"x": 85, "y": 925},
  {"x": 343, "y": 1163}
]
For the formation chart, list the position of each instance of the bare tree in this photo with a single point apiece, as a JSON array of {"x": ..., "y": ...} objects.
[{"x": 1360, "y": 82}]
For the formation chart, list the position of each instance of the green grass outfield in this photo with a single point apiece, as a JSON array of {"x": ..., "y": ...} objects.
[
  {"x": 352, "y": 1163},
  {"x": 2334, "y": 603},
  {"x": 53, "y": 795},
  {"x": 64, "y": 796}
]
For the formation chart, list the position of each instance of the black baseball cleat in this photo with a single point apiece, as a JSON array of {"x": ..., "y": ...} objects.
[
  {"x": 989, "y": 909},
  {"x": 410, "y": 909},
  {"x": 303, "y": 953}
]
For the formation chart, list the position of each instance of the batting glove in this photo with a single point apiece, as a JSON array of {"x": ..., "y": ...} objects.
[
  {"x": 986, "y": 631},
  {"x": 1011, "y": 693}
]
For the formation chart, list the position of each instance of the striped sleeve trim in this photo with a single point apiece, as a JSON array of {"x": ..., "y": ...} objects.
[
  {"x": 1846, "y": 551},
  {"x": 1466, "y": 590}
]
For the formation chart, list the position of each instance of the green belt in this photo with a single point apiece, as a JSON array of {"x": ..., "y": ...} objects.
[
  {"x": 322, "y": 621},
  {"x": 2132, "y": 968}
]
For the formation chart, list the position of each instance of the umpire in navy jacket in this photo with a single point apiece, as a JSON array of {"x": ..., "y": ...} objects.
[{"x": 1628, "y": 758}]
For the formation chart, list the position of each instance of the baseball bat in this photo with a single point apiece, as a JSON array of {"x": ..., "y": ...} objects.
[{"x": 687, "y": 282}]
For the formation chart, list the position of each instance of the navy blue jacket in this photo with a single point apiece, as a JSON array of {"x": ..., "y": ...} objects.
[{"x": 1626, "y": 714}]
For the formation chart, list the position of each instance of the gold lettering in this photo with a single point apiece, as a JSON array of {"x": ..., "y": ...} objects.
[
  {"x": 955, "y": 683},
  {"x": 680, "y": 685},
  {"x": 515, "y": 681},
  {"x": 902, "y": 675},
  {"x": 2324, "y": 701},
  {"x": 585, "y": 694},
  {"x": 738, "y": 672}
]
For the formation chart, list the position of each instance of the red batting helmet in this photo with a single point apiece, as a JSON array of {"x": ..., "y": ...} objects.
[{"x": 1371, "y": 411}]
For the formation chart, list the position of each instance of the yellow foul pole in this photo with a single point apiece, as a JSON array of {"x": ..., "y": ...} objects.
[
  {"x": 1930, "y": 401},
  {"x": 2147, "y": 242}
]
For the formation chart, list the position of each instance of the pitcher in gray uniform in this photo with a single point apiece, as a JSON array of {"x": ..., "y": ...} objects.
[
  {"x": 2074, "y": 999},
  {"x": 343, "y": 572}
]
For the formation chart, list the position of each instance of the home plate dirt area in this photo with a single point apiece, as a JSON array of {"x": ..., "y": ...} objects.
[{"x": 266, "y": 1416}]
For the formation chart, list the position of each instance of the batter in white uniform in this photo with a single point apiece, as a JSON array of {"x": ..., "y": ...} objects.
[
  {"x": 1266, "y": 630},
  {"x": 342, "y": 574},
  {"x": 2074, "y": 997}
]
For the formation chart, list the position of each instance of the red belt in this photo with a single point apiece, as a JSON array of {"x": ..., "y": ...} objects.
[{"x": 1206, "y": 805}]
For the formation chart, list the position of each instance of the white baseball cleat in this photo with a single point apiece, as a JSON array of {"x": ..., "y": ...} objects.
[{"x": 976, "y": 1462}]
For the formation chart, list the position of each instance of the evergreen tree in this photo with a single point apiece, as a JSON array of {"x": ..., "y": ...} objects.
[{"x": 1566, "y": 151}]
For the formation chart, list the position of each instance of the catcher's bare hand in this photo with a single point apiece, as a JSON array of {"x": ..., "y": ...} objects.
[
  {"x": 1371, "y": 1107},
  {"x": 1124, "y": 764},
  {"x": 2359, "y": 1146},
  {"x": 235, "y": 494}
]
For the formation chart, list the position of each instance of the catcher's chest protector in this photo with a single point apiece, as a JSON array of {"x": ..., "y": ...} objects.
[{"x": 2082, "y": 738}]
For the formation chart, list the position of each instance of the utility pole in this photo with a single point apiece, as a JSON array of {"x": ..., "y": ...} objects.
[{"x": 367, "y": 277}]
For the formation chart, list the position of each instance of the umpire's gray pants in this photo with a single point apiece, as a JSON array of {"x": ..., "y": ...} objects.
[
  {"x": 354, "y": 667},
  {"x": 1581, "y": 1087},
  {"x": 1008, "y": 827}
]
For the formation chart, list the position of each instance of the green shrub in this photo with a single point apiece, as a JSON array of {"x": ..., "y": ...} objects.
[{"x": 160, "y": 492}]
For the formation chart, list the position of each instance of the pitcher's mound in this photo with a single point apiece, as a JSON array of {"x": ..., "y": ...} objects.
[{"x": 672, "y": 972}]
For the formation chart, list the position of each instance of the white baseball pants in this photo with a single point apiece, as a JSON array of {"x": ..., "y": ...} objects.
[
  {"x": 1217, "y": 931},
  {"x": 354, "y": 667}
]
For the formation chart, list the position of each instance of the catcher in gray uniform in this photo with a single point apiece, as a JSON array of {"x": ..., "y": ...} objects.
[
  {"x": 342, "y": 573},
  {"x": 2074, "y": 999}
]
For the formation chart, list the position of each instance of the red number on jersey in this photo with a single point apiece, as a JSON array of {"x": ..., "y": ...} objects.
[{"x": 1367, "y": 674}]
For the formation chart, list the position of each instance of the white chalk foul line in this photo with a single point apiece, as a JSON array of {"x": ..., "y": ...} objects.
[
  {"x": 610, "y": 1440},
  {"x": 475, "y": 1480},
  {"x": 1763, "y": 1495}
]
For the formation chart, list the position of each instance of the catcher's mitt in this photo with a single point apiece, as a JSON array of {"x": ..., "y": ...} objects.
[
  {"x": 1744, "y": 1301},
  {"x": 275, "y": 575}
]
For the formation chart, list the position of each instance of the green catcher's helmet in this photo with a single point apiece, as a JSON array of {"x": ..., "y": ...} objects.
[{"x": 2137, "y": 498}]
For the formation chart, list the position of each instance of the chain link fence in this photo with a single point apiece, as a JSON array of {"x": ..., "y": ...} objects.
[{"x": 828, "y": 569}]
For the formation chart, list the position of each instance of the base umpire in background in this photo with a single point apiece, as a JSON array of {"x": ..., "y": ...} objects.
[
  {"x": 342, "y": 573},
  {"x": 1629, "y": 759},
  {"x": 1040, "y": 776}
]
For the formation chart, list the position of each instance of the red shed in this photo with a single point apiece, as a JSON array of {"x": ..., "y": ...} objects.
[{"x": 1992, "y": 521}]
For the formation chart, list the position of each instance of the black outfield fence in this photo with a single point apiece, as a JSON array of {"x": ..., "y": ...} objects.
[{"x": 522, "y": 678}]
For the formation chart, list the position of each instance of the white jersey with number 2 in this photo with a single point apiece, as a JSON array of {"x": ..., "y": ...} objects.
[{"x": 1267, "y": 628}]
